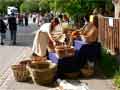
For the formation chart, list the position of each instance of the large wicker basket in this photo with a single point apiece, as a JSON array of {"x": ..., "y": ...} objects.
[
  {"x": 42, "y": 73},
  {"x": 64, "y": 51},
  {"x": 87, "y": 71},
  {"x": 60, "y": 52},
  {"x": 20, "y": 72}
]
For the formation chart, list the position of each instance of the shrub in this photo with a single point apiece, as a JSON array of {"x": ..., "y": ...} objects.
[{"x": 108, "y": 64}]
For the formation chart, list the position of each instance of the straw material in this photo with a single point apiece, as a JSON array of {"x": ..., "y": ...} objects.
[
  {"x": 39, "y": 58},
  {"x": 20, "y": 73},
  {"x": 25, "y": 62},
  {"x": 64, "y": 51},
  {"x": 42, "y": 73}
]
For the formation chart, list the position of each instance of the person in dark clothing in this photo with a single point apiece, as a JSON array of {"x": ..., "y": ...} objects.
[
  {"x": 13, "y": 28},
  {"x": 3, "y": 29},
  {"x": 26, "y": 19}
]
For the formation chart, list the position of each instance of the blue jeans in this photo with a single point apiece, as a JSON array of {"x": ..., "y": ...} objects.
[{"x": 13, "y": 36}]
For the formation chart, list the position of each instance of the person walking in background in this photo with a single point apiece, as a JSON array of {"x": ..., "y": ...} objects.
[
  {"x": 26, "y": 19},
  {"x": 40, "y": 19},
  {"x": 12, "y": 27},
  {"x": 34, "y": 18},
  {"x": 20, "y": 19},
  {"x": 3, "y": 29}
]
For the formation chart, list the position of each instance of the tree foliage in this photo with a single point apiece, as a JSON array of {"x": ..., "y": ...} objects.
[
  {"x": 44, "y": 5},
  {"x": 71, "y": 7},
  {"x": 2, "y": 7},
  {"x": 29, "y": 6}
]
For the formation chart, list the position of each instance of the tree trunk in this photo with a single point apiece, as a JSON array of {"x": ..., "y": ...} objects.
[{"x": 117, "y": 8}]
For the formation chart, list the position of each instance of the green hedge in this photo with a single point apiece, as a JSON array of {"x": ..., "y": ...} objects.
[
  {"x": 108, "y": 64},
  {"x": 116, "y": 79}
]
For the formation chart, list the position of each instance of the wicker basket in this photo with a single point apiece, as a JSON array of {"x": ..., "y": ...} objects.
[
  {"x": 42, "y": 73},
  {"x": 65, "y": 51},
  {"x": 20, "y": 72},
  {"x": 39, "y": 58},
  {"x": 25, "y": 62},
  {"x": 60, "y": 52},
  {"x": 87, "y": 71},
  {"x": 70, "y": 51}
]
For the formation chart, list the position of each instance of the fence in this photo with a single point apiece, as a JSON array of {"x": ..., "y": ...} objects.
[{"x": 109, "y": 36}]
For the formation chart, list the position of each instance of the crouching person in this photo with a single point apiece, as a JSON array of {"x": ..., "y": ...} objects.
[{"x": 43, "y": 35}]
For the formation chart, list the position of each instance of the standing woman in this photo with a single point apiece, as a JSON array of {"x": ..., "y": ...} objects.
[
  {"x": 3, "y": 29},
  {"x": 44, "y": 34}
]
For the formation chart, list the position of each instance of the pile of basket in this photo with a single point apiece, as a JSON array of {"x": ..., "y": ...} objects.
[
  {"x": 40, "y": 72},
  {"x": 64, "y": 51}
]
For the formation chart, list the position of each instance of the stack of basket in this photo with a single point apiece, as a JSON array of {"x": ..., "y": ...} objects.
[
  {"x": 64, "y": 51},
  {"x": 40, "y": 72},
  {"x": 20, "y": 70}
]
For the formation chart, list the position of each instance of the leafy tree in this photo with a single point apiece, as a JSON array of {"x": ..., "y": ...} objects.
[
  {"x": 44, "y": 5},
  {"x": 74, "y": 8},
  {"x": 2, "y": 7},
  {"x": 77, "y": 8},
  {"x": 29, "y": 6},
  {"x": 71, "y": 7}
]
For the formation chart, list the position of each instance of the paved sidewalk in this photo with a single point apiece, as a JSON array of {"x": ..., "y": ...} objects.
[
  {"x": 7, "y": 81},
  {"x": 10, "y": 55}
]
